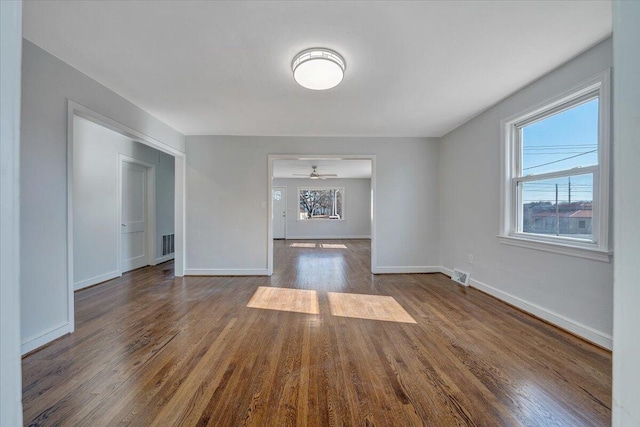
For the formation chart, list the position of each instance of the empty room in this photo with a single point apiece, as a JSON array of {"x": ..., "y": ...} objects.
[{"x": 319, "y": 213}]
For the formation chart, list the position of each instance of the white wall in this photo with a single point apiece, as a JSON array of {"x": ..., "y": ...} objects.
[
  {"x": 95, "y": 198},
  {"x": 10, "y": 63},
  {"x": 574, "y": 293},
  {"x": 47, "y": 84},
  {"x": 165, "y": 201},
  {"x": 626, "y": 350},
  {"x": 227, "y": 190},
  {"x": 356, "y": 207}
]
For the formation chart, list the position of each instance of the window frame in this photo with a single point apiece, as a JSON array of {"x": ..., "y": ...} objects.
[
  {"x": 322, "y": 187},
  {"x": 511, "y": 173}
]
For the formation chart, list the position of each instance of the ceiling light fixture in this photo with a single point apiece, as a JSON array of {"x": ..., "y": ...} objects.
[{"x": 318, "y": 68}]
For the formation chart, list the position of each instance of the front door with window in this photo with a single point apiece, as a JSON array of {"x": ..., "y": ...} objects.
[{"x": 279, "y": 212}]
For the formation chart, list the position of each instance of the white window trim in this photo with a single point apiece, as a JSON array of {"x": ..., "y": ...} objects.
[
  {"x": 509, "y": 157},
  {"x": 321, "y": 187}
]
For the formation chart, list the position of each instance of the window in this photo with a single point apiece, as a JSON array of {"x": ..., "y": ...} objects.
[
  {"x": 556, "y": 173},
  {"x": 321, "y": 203}
]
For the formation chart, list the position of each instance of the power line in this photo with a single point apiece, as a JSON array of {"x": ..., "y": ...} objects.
[
  {"x": 558, "y": 151},
  {"x": 533, "y": 147},
  {"x": 549, "y": 190},
  {"x": 541, "y": 186},
  {"x": 552, "y": 153},
  {"x": 552, "y": 184},
  {"x": 557, "y": 161}
]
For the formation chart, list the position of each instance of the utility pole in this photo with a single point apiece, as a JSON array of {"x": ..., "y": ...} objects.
[
  {"x": 569, "y": 191},
  {"x": 557, "y": 213}
]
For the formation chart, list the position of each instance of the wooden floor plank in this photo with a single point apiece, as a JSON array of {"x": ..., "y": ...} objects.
[{"x": 152, "y": 349}]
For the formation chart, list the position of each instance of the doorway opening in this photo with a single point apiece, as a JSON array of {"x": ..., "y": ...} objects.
[
  {"x": 125, "y": 201},
  {"x": 329, "y": 199}
]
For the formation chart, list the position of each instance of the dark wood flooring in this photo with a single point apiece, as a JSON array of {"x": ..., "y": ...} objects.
[{"x": 151, "y": 349}]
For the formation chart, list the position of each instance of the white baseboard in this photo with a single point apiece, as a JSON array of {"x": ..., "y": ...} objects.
[
  {"x": 225, "y": 272},
  {"x": 406, "y": 269},
  {"x": 165, "y": 258},
  {"x": 45, "y": 337},
  {"x": 445, "y": 270},
  {"x": 327, "y": 237},
  {"x": 95, "y": 280},
  {"x": 588, "y": 333}
]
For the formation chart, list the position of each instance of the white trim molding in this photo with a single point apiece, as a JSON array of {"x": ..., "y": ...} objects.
[
  {"x": 590, "y": 334},
  {"x": 511, "y": 174},
  {"x": 226, "y": 272},
  {"x": 76, "y": 109},
  {"x": 45, "y": 337},
  {"x": 165, "y": 258},
  {"x": 446, "y": 271},
  {"x": 95, "y": 280},
  {"x": 272, "y": 157},
  {"x": 557, "y": 248},
  {"x": 409, "y": 269},
  {"x": 330, "y": 237},
  {"x": 10, "y": 99},
  {"x": 563, "y": 322}
]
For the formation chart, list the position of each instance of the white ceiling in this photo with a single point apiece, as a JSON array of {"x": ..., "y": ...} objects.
[
  {"x": 413, "y": 68},
  {"x": 342, "y": 168}
]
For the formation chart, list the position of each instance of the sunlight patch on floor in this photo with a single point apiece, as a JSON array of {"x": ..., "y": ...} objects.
[
  {"x": 302, "y": 245},
  {"x": 283, "y": 299},
  {"x": 333, "y": 246},
  {"x": 373, "y": 307}
]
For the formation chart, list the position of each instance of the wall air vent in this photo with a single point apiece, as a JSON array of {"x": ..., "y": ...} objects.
[
  {"x": 460, "y": 276},
  {"x": 167, "y": 244}
]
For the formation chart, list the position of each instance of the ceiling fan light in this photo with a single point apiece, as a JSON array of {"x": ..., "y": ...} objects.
[{"x": 318, "y": 68}]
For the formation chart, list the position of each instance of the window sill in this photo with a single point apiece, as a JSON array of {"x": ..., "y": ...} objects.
[
  {"x": 321, "y": 219},
  {"x": 575, "y": 250}
]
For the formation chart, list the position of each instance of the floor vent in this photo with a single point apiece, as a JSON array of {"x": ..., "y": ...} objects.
[
  {"x": 167, "y": 244},
  {"x": 460, "y": 276}
]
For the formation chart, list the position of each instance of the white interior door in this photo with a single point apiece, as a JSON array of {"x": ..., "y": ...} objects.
[
  {"x": 134, "y": 225},
  {"x": 279, "y": 212}
]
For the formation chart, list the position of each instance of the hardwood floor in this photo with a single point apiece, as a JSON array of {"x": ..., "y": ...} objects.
[{"x": 151, "y": 349}]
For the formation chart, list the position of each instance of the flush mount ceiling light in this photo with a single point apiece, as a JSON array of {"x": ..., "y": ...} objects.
[{"x": 318, "y": 68}]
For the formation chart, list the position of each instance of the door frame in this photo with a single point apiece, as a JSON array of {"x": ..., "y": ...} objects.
[
  {"x": 272, "y": 157},
  {"x": 150, "y": 208},
  {"x": 76, "y": 109},
  {"x": 286, "y": 207}
]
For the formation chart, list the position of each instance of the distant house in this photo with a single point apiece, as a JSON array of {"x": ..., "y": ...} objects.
[{"x": 573, "y": 219}]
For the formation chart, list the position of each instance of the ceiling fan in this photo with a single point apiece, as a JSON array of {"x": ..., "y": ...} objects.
[{"x": 315, "y": 175}]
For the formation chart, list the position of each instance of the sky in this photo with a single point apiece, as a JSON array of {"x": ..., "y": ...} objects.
[{"x": 563, "y": 141}]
